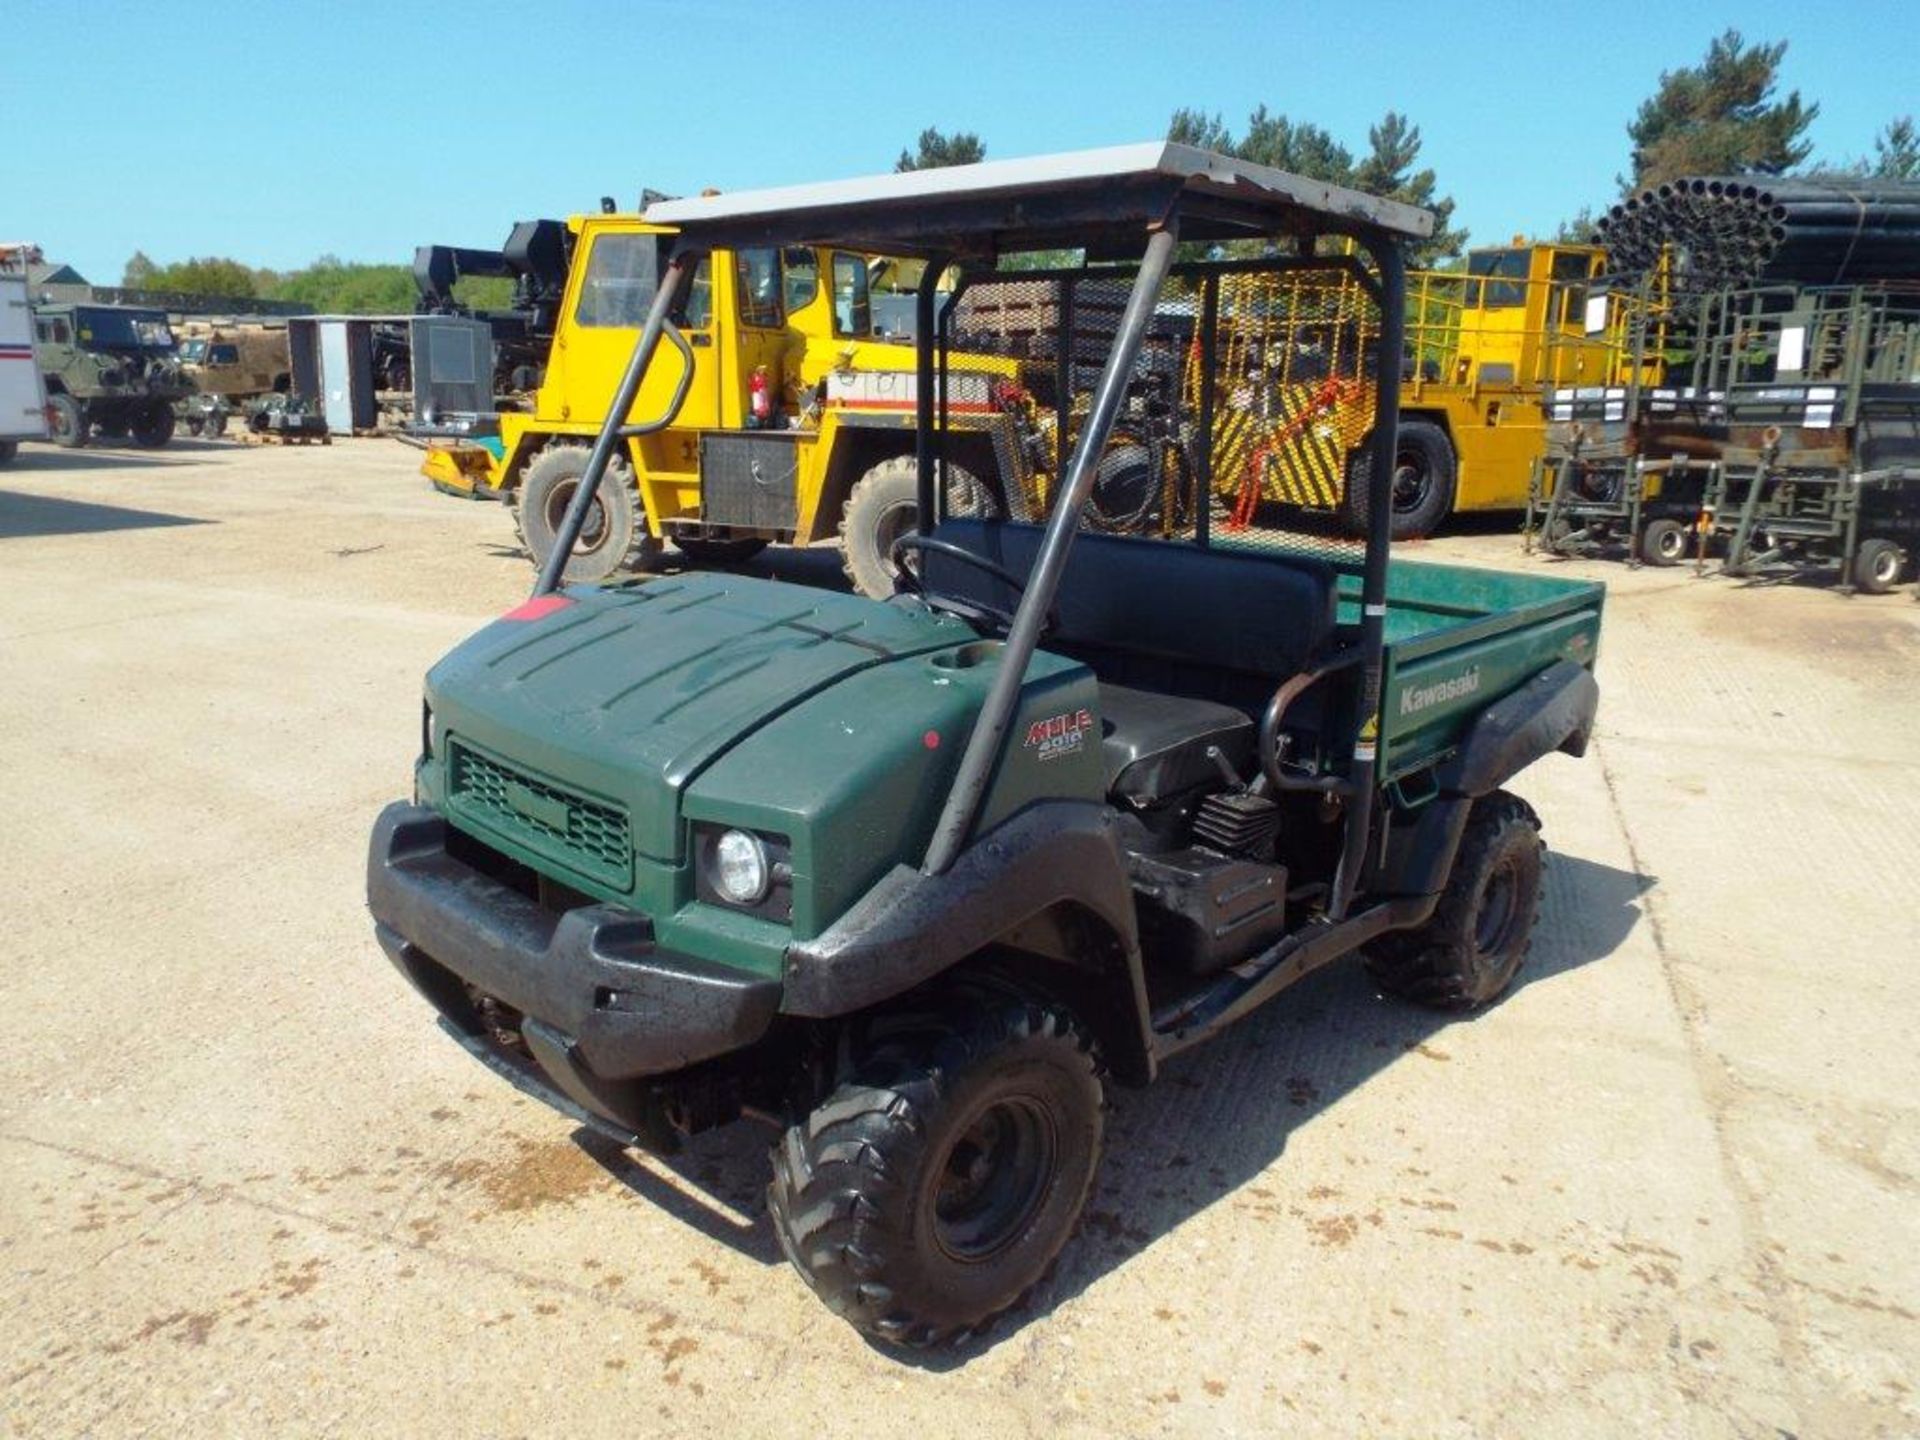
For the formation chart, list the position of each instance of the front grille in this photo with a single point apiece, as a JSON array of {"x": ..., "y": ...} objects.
[{"x": 587, "y": 835}]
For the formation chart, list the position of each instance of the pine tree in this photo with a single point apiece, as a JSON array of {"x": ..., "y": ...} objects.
[
  {"x": 1720, "y": 118},
  {"x": 935, "y": 150},
  {"x": 1306, "y": 149},
  {"x": 1388, "y": 171},
  {"x": 1896, "y": 150}
]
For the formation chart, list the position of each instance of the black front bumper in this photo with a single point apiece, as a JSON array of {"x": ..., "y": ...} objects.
[{"x": 605, "y": 1010}]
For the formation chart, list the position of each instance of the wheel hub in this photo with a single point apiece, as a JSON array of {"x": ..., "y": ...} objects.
[
  {"x": 593, "y": 532},
  {"x": 993, "y": 1178},
  {"x": 1499, "y": 908},
  {"x": 1410, "y": 484}
]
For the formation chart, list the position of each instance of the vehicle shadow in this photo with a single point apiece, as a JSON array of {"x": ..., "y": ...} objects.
[
  {"x": 1175, "y": 1148},
  {"x": 40, "y": 515},
  {"x": 54, "y": 459}
]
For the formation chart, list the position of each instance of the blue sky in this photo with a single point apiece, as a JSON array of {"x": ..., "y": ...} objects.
[{"x": 275, "y": 133}]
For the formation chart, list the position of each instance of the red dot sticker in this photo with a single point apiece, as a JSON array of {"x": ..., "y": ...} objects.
[{"x": 931, "y": 739}]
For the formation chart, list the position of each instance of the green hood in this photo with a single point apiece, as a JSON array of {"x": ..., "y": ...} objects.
[{"x": 630, "y": 692}]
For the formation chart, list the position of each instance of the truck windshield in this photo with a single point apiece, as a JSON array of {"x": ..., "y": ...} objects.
[
  {"x": 622, "y": 273},
  {"x": 1506, "y": 278},
  {"x": 123, "y": 329}
]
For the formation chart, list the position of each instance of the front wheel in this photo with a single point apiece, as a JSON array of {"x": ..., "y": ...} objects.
[
  {"x": 67, "y": 419},
  {"x": 1424, "y": 469},
  {"x": 1477, "y": 937},
  {"x": 935, "y": 1186},
  {"x": 614, "y": 537}
]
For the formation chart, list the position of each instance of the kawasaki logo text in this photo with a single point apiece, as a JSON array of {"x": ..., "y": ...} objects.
[{"x": 1416, "y": 698}]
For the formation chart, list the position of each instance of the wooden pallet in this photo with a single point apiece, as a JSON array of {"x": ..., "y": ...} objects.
[{"x": 274, "y": 437}]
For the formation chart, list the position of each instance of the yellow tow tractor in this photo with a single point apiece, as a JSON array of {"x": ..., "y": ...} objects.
[
  {"x": 1482, "y": 345},
  {"x": 790, "y": 419}
]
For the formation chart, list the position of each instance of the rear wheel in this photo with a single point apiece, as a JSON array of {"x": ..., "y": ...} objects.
[
  {"x": 67, "y": 418},
  {"x": 1877, "y": 564},
  {"x": 1477, "y": 938},
  {"x": 152, "y": 425},
  {"x": 935, "y": 1186},
  {"x": 1663, "y": 542},
  {"x": 613, "y": 538},
  {"x": 1424, "y": 470},
  {"x": 884, "y": 506}
]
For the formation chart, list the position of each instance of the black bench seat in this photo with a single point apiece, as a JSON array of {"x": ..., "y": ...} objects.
[{"x": 1188, "y": 643}]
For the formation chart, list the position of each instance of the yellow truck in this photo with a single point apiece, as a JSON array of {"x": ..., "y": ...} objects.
[
  {"x": 1485, "y": 346},
  {"x": 791, "y": 418}
]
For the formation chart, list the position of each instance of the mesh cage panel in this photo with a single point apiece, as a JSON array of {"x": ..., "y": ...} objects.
[{"x": 1240, "y": 434}]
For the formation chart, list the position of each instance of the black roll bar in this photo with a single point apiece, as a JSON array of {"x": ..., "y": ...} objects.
[
  {"x": 1391, "y": 261},
  {"x": 984, "y": 745},
  {"x": 923, "y": 388},
  {"x": 614, "y": 430}
]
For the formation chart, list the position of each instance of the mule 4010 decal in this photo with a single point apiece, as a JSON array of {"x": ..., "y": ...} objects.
[{"x": 1062, "y": 734}]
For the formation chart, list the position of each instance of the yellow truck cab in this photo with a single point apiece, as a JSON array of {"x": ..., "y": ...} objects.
[
  {"x": 789, "y": 419},
  {"x": 1484, "y": 345}
]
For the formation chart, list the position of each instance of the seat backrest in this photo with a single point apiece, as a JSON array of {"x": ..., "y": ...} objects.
[{"x": 1157, "y": 600}]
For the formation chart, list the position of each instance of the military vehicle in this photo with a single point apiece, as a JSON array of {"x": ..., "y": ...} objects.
[
  {"x": 230, "y": 362},
  {"x": 110, "y": 368}
]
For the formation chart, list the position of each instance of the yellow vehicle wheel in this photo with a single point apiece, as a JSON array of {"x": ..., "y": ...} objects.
[
  {"x": 882, "y": 508},
  {"x": 614, "y": 538},
  {"x": 1424, "y": 469}
]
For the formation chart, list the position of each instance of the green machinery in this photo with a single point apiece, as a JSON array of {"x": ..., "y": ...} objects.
[
  {"x": 1779, "y": 425},
  {"x": 913, "y": 879}
]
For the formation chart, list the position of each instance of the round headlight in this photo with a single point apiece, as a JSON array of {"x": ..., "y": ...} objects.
[{"x": 740, "y": 871}]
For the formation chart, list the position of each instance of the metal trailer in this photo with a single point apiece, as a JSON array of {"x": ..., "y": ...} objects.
[
  {"x": 1627, "y": 463},
  {"x": 23, "y": 398},
  {"x": 1821, "y": 464}
]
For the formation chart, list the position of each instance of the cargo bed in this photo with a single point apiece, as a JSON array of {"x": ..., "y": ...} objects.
[{"x": 1459, "y": 638}]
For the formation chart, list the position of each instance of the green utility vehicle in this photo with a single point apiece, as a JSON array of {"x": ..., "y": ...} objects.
[
  {"x": 915, "y": 878},
  {"x": 109, "y": 368}
]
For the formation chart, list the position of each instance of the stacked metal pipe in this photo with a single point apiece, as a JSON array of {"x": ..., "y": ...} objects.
[{"x": 1743, "y": 229}]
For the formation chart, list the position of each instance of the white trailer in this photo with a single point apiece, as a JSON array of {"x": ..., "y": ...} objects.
[{"x": 23, "y": 399}]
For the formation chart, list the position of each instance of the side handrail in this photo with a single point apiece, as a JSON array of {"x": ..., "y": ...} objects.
[
  {"x": 1283, "y": 698},
  {"x": 673, "y": 288},
  {"x": 685, "y": 383}
]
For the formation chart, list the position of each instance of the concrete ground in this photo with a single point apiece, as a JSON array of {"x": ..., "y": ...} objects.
[{"x": 1669, "y": 1187}]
